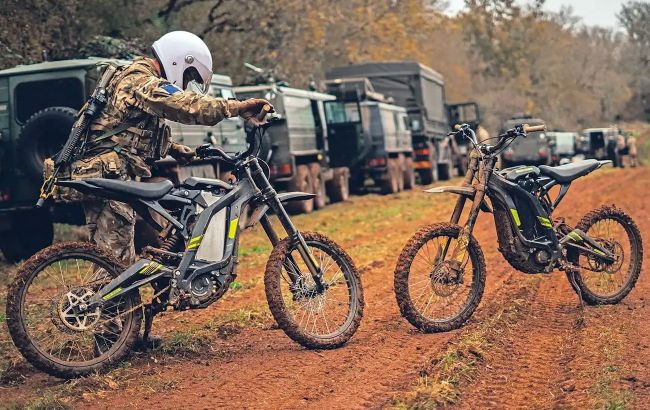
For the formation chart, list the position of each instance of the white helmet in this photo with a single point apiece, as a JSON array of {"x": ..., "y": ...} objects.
[{"x": 185, "y": 60}]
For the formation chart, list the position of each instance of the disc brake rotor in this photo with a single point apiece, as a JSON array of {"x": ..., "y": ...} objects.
[
  {"x": 71, "y": 313},
  {"x": 446, "y": 277}
]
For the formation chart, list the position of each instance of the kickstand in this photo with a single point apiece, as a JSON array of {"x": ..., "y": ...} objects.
[{"x": 580, "y": 322}]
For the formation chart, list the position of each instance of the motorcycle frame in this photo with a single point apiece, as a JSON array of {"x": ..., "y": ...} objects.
[
  {"x": 500, "y": 191},
  {"x": 253, "y": 188}
]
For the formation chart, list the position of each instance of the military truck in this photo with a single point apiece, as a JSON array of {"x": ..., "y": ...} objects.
[
  {"x": 599, "y": 143},
  {"x": 369, "y": 135},
  {"x": 532, "y": 150},
  {"x": 297, "y": 150},
  {"x": 38, "y": 105},
  {"x": 563, "y": 146},
  {"x": 421, "y": 90}
]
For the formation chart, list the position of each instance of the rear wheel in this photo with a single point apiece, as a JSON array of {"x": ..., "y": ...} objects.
[
  {"x": 48, "y": 320},
  {"x": 390, "y": 183},
  {"x": 339, "y": 187},
  {"x": 444, "y": 171},
  {"x": 316, "y": 319},
  {"x": 439, "y": 290},
  {"x": 603, "y": 283},
  {"x": 318, "y": 186},
  {"x": 301, "y": 182},
  {"x": 409, "y": 173}
]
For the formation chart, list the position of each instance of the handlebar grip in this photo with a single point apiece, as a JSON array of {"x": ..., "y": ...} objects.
[
  {"x": 457, "y": 127},
  {"x": 263, "y": 112},
  {"x": 534, "y": 128}
]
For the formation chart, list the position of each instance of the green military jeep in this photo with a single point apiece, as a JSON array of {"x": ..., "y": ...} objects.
[{"x": 38, "y": 105}]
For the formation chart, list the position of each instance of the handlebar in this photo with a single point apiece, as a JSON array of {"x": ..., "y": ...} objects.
[
  {"x": 533, "y": 128},
  {"x": 519, "y": 130},
  {"x": 256, "y": 122}
]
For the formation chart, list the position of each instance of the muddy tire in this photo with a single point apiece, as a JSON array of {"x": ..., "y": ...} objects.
[
  {"x": 588, "y": 280},
  {"x": 409, "y": 174},
  {"x": 338, "y": 188},
  {"x": 409, "y": 304},
  {"x": 390, "y": 183},
  {"x": 284, "y": 297},
  {"x": 301, "y": 182},
  {"x": 18, "y": 307},
  {"x": 318, "y": 185}
]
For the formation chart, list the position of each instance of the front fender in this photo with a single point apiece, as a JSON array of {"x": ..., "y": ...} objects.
[
  {"x": 295, "y": 196},
  {"x": 466, "y": 191}
]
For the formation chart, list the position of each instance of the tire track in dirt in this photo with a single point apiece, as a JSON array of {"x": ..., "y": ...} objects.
[{"x": 527, "y": 368}]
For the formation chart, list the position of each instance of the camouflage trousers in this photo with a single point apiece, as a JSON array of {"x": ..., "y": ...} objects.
[{"x": 111, "y": 226}]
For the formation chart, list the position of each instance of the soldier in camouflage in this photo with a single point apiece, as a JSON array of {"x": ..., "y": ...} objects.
[{"x": 130, "y": 134}]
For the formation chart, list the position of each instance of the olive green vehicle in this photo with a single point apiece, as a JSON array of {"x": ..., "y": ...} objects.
[{"x": 38, "y": 105}]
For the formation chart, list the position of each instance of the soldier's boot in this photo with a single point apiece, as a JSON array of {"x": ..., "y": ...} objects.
[{"x": 147, "y": 340}]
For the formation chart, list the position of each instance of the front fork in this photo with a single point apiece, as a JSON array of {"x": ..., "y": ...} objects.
[
  {"x": 270, "y": 197},
  {"x": 459, "y": 253}
]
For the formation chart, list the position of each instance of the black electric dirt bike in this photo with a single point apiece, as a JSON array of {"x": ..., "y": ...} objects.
[
  {"x": 74, "y": 309},
  {"x": 440, "y": 274}
]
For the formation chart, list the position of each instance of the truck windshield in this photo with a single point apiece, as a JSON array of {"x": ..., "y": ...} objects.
[{"x": 339, "y": 112}]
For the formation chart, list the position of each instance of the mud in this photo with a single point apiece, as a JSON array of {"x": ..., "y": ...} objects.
[{"x": 542, "y": 360}]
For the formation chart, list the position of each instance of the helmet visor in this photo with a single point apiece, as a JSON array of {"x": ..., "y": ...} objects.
[{"x": 192, "y": 81}]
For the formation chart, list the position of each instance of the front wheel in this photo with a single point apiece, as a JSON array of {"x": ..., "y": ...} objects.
[
  {"x": 438, "y": 280},
  {"x": 47, "y": 315},
  {"x": 602, "y": 283},
  {"x": 317, "y": 319}
]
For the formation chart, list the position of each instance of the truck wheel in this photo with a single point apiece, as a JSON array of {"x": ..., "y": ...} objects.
[
  {"x": 399, "y": 172},
  {"x": 302, "y": 182},
  {"x": 339, "y": 186},
  {"x": 43, "y": 135},
  {"x": 318, "y": 186},
  {"x": 428, "y": 175},
  {"x": 463, "y": 164},
  {"x": 30, "y": 232},
  {"x": 409, "y": 173},
  {"x": 444, "y": 171},
  {"x": 390, "y": 184}
]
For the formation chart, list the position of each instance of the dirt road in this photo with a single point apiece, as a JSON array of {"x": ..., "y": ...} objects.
[{"x": 528, "y": 351}]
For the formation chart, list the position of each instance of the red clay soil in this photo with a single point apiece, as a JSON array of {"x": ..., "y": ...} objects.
[{"x": 544, "y": 361}]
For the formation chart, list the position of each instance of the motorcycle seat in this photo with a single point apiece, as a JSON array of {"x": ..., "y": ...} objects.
[
  {"x": 569, "y": 172},
  {"x": 144, "y": 190}
]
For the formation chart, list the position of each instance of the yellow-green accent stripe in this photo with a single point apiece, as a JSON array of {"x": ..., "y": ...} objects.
[
  {"x": 232, "y": 230},
  {"x": 195, "y": 242},
  {"x": 112, "y": 293},
  {"x": 515, "y": 216},
  {"x": 545, "y": 222}
]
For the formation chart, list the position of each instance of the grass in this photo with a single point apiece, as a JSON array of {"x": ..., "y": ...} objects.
[{"x": 439, "y": 384}]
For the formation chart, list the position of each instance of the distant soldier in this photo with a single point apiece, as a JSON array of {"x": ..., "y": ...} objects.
[
  {"x": 130, "y": 134},
  {"x": 620, "y": 150},
  {"x": 632, "y": 151}
]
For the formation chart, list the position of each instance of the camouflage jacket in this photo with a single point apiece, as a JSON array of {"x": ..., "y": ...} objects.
[{"x": 141, "y": 99}]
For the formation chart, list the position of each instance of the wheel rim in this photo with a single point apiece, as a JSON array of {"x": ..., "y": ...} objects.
[
  {"x": 326, "y": 314},
  {"x": 56, "y": 319},
  {"x": 607, "y": 280},
  {"x": 441, "y": 289}
]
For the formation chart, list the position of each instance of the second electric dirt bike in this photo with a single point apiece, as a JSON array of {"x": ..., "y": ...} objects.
[
  {"x": 440, "y": 274},
  {"x": 73, "y": 308}
]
